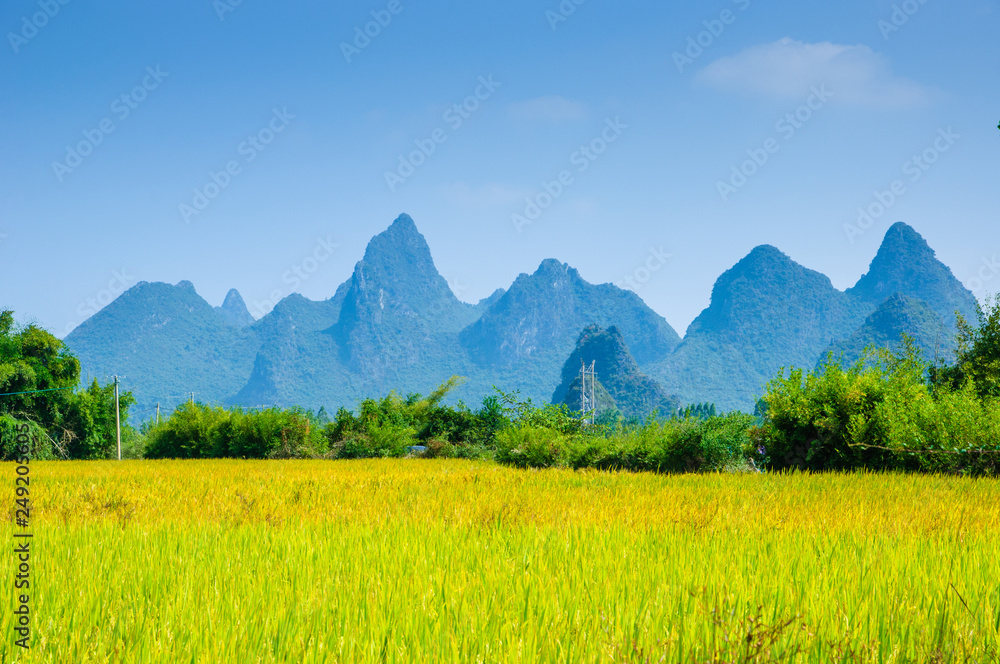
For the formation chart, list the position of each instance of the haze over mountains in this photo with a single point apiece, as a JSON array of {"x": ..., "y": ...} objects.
[{"x": 396, "y": 325}]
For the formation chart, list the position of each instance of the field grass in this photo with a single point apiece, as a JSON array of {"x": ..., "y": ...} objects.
[{"x": 454, "y": 561}]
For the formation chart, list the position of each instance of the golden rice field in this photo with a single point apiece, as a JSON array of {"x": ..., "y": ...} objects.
[{"x": 450, "y": 561}]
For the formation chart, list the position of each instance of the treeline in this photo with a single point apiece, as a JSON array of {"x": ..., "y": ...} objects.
[
  {"x": 390, "y": 427},
  {"x": 504, "y": 428},
  {"x": 889, "y": 411}
]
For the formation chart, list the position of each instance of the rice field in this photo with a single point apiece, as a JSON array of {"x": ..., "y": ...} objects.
[{"x": 451, "y": 561}]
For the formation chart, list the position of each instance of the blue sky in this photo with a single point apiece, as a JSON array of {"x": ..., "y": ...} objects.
[{"x": 289, "y": 135}]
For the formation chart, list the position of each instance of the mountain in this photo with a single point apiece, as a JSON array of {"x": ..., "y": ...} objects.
[
  {"x": 398, "y": 309},
  {"x": 766, "y": 312},
  {"x": 522, "y": 340},
  {"x": 234, "y": 310},
  {"x": 906, "y": 264},
  {"x": 295, "y": 363},
  {"x": 396, "y": 325},
  {"x": 539, "y": 316},
  {"x": 896, "y": 316},
  {"x": 393, "y": 325},
  {"x": 400, "y": 327},
  {"x": 487, "y": 302},
  {"x": 618, "y": 375},
  {"x": 167, "y": 342}
]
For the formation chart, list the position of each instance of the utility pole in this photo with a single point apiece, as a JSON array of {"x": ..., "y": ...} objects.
[
  {"x": 157, "y": 412},
  {"x": 118, "y": 420}
]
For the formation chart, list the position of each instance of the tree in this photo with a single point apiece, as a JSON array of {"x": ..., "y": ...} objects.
[
  {"x": 32, "y": 360},
  {"x": 88, "y": 429},
  {"x": 39, "y": 375},
  {"x": 977, "y": 356}
]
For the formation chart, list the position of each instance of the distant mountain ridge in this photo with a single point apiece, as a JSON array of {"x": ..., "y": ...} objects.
[{"x": 395, "y": 324}]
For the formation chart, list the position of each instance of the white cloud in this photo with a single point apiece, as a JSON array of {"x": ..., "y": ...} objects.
[
  {"x": 552, "y": 109},
  {"x": 856, "y": 75}
]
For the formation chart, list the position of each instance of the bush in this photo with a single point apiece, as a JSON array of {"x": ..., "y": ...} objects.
[
  {"x": 197, "y": 431},
  {"x": 40, "y": 445},
  {"x": 687, "y": 445},
  {"x": 712, "y": 444},
  {"x": 273, "y": 433},
  {"x": 977, "y": 358},
  {"x": 879, "y": 414},
  {"x": 193, "y": 431},
  {"x": 390, "y": 426},
  {"x": 532, "y": 446}
]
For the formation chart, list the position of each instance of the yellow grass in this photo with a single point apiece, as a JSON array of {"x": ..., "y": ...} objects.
[{"x": 449, "y": 561}]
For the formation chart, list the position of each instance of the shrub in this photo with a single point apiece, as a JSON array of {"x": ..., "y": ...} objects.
[
  {"x": 532, "y": 446},
  {"x": 197, "y": 431},
  {"x": 879, "y": 414},
  {"x": 711, "y": 444},
  {"x": 39, "y": 444},
  {"x": 679, "y": 445},
  {"x": 978, "y": 354},
  {"x": 388, "y": 427}
]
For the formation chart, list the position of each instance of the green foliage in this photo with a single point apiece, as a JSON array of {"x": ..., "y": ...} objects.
[
  {"x": 133, "y": 443},
  {"x": 880, "y": 413},
  {"x": 533, "y": 446},
  {"x": 89, "y": 427},
  {"x": 39, "y": 444},
  {"x": 550, "y": 416},
  {"x": 193, "y": 431},
  {"x": 671, "y": 446},
  {"x": 38, "y": 366},
  {"x": 491, "y": 419},
  {"x": 31, "y": 359},
  {"x": 700, "y": 411},
  {"x": 978, "y": 355},
  {"x": 391, "y": 426},
  {"x": 197, "y": 431}
]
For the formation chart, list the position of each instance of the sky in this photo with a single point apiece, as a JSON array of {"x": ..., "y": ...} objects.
[{"x": 259, "y": 145}]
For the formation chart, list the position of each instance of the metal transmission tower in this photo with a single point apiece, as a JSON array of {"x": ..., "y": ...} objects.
[{"x": 588, "y": 402}]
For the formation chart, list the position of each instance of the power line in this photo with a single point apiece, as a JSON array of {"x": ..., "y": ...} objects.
[{"x": 54, "y": 389}]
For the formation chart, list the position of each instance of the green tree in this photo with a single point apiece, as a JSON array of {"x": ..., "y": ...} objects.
[
  {"x": 977, "y": 359},
  {"x": 38, "y": 375},
  {"x": 32, "y": 360},
  {"x": 88, "y": 429}
]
